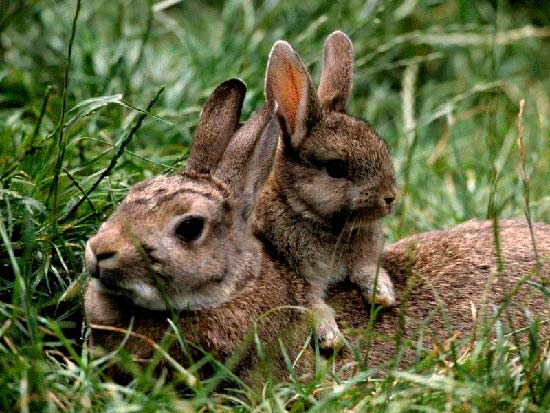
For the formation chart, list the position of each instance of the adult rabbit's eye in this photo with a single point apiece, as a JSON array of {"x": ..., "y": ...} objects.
[
  {"x": 336, "y": 168},
  {"x": 190, "y": 228}
]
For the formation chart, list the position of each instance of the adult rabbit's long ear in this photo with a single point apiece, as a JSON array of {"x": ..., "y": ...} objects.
[
  {"x": 218, "y": 122},
  {"x": 261, "y": 161},
  {"x": 247, "y": 162},
  {"x": 337, "y": 73}
]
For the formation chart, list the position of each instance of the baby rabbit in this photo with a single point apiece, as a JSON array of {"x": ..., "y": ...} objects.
[
  {"x": 332, "y": 180},
  {"x": 181, "y": 242}
]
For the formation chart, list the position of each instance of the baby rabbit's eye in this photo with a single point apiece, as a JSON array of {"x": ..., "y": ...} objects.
[
  {"x": 336, "y": 168},
  {"x": 190, "y": 228}
]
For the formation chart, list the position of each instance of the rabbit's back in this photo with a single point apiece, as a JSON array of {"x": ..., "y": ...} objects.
[{"x": 447, "y": 281}]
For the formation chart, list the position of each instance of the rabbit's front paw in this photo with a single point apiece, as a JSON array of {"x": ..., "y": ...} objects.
[
  {"x": 385, "y": 294},
  {"x": 326, "y": 328}
]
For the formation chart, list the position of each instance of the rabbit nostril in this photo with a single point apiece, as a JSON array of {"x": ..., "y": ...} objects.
[
  {"x": 389, "y": 200},
  {"x": 104, "y": 255}
]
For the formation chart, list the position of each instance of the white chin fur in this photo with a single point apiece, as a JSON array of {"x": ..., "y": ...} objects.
[
  {"x": 147, "y": 296},
  {"x": 140, "y": 293}
]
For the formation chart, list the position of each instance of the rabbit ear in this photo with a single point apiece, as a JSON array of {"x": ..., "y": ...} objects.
[
  {"x": 217, "y": 123},
  {"x": 288, "y": 83},
  {"x": 250, "y": 151},
  {"x": 337, "y": 73},
  {"x": 260, "y": 165}
]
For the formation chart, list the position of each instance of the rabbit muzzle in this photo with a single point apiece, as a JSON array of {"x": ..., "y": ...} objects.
[
  {"x": 113, "y": 275},
  {"x": 103, "y": 251},
  {"x": 111, "y": 259},
  {"x": 91, "y": 261},
  {"x": 371, "y": 204}
]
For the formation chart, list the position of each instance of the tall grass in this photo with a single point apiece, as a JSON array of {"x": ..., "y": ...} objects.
[{"x": 82, "y": 119}]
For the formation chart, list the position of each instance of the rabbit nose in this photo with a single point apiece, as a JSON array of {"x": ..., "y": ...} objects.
[
  {"x": 103, "y": 246},
  {"x": 389, "y": 200},
  {"x": 102, "y": 250},
  {"x": 104, "y": 255},
  {"x": 91, "y": 261}
]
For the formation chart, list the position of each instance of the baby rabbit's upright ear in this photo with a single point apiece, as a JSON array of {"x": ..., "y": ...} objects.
[
  {"x": 218, "y": 122},
  {"x": 287, "y": 82},
  {"x": 337, "y": 73}
]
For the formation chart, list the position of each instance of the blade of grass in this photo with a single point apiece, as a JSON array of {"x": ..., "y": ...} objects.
[
  {"x": 137, "y": 125},
  {"x": 49, "y": 90},
  {"x": 526, "y": 183},
  {"x": 60, "y": 139},
  {"x": 409, "y": 127}
]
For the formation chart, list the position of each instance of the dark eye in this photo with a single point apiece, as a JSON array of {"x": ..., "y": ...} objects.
[
  {"x": 190, "y": 228},
  {"x": 336, "y": 168}
]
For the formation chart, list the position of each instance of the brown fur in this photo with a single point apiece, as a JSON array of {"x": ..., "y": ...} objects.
[
  {"x": 452, "y": 267},
  {"x": 219, "y": 282},
  {"x": 449, "y": 267},
  {"x": 141, "y": 252},
  {"x": 447, "y": 282},
  {"x": 439, "y": 277},
  {"x": 335, "y": 86},
  {"x": 331, "y": 182},
  {"x": 221, "y": 331},
  {"x": 207, "y": 155}
]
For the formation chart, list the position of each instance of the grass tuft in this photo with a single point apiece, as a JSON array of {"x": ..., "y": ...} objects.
[{"x": 458, "y": 89}]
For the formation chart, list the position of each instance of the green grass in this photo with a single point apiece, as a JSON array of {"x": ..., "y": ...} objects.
[{"x": 441, "y": 81}]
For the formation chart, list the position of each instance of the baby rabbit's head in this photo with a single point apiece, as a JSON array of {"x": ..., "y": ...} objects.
[
  {"x": 180, "y": 241},
  {"x": 331, "y": 166}
]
